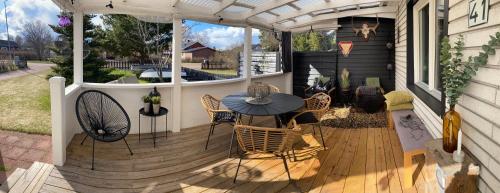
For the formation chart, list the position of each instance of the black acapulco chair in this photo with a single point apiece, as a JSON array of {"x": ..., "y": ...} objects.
[{"x": 102, "y": 118}]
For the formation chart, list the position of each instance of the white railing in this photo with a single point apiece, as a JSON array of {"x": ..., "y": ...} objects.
[{"x": 63, "y": 99}]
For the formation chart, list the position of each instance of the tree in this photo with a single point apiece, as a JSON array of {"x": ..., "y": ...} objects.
[
  {"x": 93, "y": 65},
  {"x": 37, "y": 36},
  {"x": 123, "y": 37},
  {"x": 268, "y": 41},
  {"x": 19, "y": 41},
  {"x": 188, "y": 35},
  {"x": 300, "y": 42},
  {"x": 314, "y": 41}
]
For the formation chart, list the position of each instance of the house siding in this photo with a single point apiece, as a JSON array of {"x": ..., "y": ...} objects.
[{"x": 480, "y": 104}]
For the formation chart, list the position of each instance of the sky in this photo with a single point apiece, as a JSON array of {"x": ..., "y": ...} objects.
[{"x": 20, "y": 12}]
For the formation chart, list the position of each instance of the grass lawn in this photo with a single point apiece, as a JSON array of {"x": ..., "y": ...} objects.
[
  {"x": 222, "y": 72},
  {"x": 39, "y": 61},
  {"x": 25, "y": 104}
]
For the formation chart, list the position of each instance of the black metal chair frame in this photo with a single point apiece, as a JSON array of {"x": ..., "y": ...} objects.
[{"x": 88, "y": 133}]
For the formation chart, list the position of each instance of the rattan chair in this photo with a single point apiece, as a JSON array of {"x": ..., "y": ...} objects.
[
  {"x": 255, "y": 140},
  {"x": 102, "y": 118},
  {"x": 217, "y": 116},
  {"x": 314, "y": 109}
]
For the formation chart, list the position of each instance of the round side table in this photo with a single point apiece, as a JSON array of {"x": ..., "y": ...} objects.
[{"x": 163, "y": 111}]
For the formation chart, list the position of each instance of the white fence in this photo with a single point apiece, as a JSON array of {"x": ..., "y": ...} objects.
[{"x": 264, "y": 62}]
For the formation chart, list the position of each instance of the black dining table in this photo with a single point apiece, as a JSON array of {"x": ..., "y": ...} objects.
[{"x": 281, "y": 103}]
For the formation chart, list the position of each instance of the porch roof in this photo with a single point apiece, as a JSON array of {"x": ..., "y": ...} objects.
[{"x": 285, "y": 15}]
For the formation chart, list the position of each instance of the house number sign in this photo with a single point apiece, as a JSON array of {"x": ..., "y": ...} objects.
[{"x": 478, "y": 12}]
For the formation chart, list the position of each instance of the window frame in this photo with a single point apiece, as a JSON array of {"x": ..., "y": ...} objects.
[
  {"x": 431, "y": 86},
  {"x": 437, "y": 105}
]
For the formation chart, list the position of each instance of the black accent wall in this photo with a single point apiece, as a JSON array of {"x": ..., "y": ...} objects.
[{"x": 367, "y": 58}]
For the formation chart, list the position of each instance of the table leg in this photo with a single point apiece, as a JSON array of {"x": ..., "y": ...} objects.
[
  {"x": 277, "y": 118},
  {"x": 408, "y": 174},
  {"x": 166, "y": 126},
  {"x": 139, "y": 127},
  {"x": 154, "y": 133}
]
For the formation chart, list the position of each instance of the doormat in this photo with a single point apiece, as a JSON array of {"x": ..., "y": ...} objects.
[{"x": 353, "y": 118}]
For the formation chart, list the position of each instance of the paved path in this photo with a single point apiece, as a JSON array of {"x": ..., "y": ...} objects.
[
  {"x": 20, "y": 150},
  {"x": 32, "y": 68}
]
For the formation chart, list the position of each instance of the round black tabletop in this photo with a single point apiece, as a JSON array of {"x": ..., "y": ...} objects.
[
  {"x": 281, "y": 103},
  {"x": 163, "y": 111}
]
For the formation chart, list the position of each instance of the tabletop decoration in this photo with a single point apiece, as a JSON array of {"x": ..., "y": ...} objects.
[
  {"x": 156, "y": 104},
  {"x": 146, "y": 99},
  {"x": 258, "y": 94}
]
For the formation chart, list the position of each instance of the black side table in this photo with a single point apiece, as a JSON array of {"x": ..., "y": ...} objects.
[{"x": 163, "y": 111}]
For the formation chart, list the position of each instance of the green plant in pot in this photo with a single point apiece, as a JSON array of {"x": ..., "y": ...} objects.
[
  {"x": 156, "y": 104},
  {"x": 457, "y": 74},
  {"x": 147, "y": 103},
  {"x": 345, "y": 83}
]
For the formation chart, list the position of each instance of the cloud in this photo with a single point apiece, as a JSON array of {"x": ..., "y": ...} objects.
[
  {"x": 225, "y": 37},
  {"x": 20, "y": 12}
]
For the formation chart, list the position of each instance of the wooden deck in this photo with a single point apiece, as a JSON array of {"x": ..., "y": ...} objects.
[{"x": 356, "y": 160}]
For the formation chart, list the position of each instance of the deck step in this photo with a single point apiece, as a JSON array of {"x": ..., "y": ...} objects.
[
  {"x": 12, "y": 180},
  {"x": 31, "y": 180}
]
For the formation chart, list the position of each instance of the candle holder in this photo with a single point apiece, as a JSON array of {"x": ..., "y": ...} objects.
[
  {"x": 458, "y": 155},
  {"x": 258, "y": 94}
]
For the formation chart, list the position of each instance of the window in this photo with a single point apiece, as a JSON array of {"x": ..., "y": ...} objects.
[{"x": 428, "y": 23}]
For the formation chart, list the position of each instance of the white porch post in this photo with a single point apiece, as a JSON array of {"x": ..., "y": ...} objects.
[
  {"x": 78, "y": 47},
  {"x": 176, "y": 73},
  {"x": 58, "y": 114},
  {"x": 247, "y": 57}
]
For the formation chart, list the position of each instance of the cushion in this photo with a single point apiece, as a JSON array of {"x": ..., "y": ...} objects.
[
  {"x": 373, "y": 81},
  {"x": 399, "y": 97},
  {"x": 404, "y": 106}
]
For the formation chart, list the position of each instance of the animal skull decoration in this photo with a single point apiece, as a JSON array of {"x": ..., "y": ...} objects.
[{"x": 365, "y": 29}]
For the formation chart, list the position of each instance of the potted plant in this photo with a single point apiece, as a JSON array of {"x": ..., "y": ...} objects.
[
  {"x": 156, "y": 104},
  {"x": 345, "y": 84},
  {"x": 457, "y": 74},
  {"x": 147, "y": 103}
]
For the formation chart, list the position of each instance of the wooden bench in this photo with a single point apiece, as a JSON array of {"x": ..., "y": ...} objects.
[{"x": 411, "y": 145}]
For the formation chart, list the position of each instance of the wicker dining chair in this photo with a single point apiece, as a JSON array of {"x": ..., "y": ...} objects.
[
  {"x": 314, "y": 109},
  {"x": 256, "y": 140},
  {"x": 217, "y": 116}
]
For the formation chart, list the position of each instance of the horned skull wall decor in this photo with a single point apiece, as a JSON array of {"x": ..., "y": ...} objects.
[{"x": 365, "y": 29}]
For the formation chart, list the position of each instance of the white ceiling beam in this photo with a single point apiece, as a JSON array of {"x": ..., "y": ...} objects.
[
  {"x": 223, "y": 5},
  {"x": 387, "y": 12},
  {"x": 175, "y": 3},
  {"x": 243, "y": 5},
  {"x": 267, "y": 7},
  {"x": 294, "y": 6},
  {"x": 315, "y": 7},
  {"x": 272, "y": 13},
  {"x": 328, "y": 25}
]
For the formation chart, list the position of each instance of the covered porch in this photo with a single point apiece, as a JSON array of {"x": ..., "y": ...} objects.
[{"x": 354, "y": 160}]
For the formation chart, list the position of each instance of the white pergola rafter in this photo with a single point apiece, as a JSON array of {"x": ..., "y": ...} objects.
[
  {"x": 327, "y": 5},
  {"x": 267, "y": 7},
  {"x": 224, "y": 5},
  {"x": 386, "y": 12},
  {"x": 294, "y": 6}
]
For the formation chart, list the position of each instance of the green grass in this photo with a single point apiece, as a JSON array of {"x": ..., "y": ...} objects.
[
  {"x": 222, "y": 72},
  {"x": 40, "y": 61},
  {"x": 25, "y": 104},
  {"x": 121, "y": 73}
]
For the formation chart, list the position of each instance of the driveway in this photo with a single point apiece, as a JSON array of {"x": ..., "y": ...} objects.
[{"x": 32, "y": 69}]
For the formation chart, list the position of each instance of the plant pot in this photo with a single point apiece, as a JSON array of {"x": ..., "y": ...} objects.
[
  {"x": 156, "y": 109},
  {"x": 451, "y": 125},
  {"x": 147, "y": 107}
]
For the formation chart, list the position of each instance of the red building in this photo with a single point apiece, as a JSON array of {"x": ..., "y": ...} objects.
[{"x": 196, "y": 51}]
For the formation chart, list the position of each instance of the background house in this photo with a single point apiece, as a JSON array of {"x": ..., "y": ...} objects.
[
  {"x": 196, "y": 51},
  {"x": 4, "y": 45}
]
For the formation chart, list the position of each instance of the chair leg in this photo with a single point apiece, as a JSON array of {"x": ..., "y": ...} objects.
[
  {"x": 84, "y": 139},
  {"x": 231, "y": 144},
  {"x": 128, "y": 146},
  {"x": 209, "y": 133},
  {"x": 314, "y": 129},
  {"x": 237, "y": 169},
  {"x": 286, "y": 167},
  {"x": 250, "y": 120},
  {"x": 293, "y": 153},
  {"x": 322, "y": 139},
  {"x": 93, "y": 153}
]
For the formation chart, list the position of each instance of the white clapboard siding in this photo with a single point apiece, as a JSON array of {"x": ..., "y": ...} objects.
[{"x": 480, "y": 104}]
